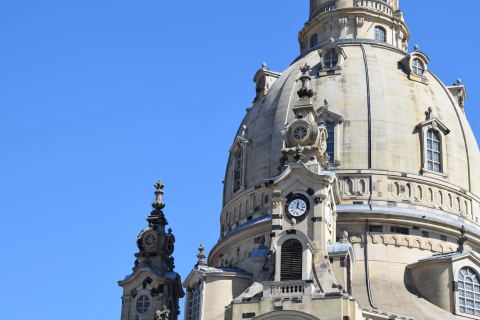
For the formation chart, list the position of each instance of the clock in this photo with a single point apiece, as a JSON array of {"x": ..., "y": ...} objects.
[
  {"x": 150, "y": 240},
  {"x": 298, "y": 206}
]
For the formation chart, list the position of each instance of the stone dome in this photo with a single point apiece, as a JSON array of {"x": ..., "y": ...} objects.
[
  {"x": 380, "y": 109},
  {"x": 355, "y": 170}
]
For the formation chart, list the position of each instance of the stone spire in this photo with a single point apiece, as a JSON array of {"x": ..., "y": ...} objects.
[
  {"x": 156, "y": 244},
  {"x": 153, "y": 278}
]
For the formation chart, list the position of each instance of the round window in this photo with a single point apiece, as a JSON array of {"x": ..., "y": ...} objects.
[
  {"x": 143, "y": 304},
  {"x": 300, "y": 133}
]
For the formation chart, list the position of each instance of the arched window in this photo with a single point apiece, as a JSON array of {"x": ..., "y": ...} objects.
[
  {"x": 237, "y": 169},
  {"x": 331, "y": 58},
  {"x": 291, "y": 263},
  {"x": 468, "y": 292},
  {"x": 434, "y": 151},
  {"x": 380, "y": 34},
  {"x": 331, "y": 142},
  {"x": 313, "y": 41},
  {"x": 194, "y": 302},
  {"x": 418, "y": 67}
]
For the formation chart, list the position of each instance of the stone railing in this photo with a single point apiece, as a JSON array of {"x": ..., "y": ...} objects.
[
  {"x": 288, "y": 288},
  {"x": 325, "y": 8},
  {"x": 376, "y": 5}
]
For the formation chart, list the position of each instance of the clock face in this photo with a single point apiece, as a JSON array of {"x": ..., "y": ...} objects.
[
  {"x": 150, "y": 240},
  {"x": 297, "y": 207}
]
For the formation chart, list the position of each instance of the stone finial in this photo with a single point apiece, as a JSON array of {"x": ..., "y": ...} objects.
[
  {"x": 429, "y": 113},
  {"x": 264, "y": 66},
  {"x": 416, "y": 47},
  {"x": 158, "y": 203},
  {"x": 458, "y": 82},
  {"x": 345, "y": 237},
  {"x": 462, "y": 240},
  {"x": 244, "y": 130},
  {"x": 305, "y": 92},
  {"x": 201, "y": 256}
]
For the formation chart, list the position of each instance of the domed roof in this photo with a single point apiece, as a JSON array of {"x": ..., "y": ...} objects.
[{"x": 383, "y": 109}]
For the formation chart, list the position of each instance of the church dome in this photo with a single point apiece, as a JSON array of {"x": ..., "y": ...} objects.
[
  {"x": 356, "y": 173},
  {"x": 379, "y": 113}
]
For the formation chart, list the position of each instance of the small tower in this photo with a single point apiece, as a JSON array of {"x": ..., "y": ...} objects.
[{"x": 152, "y": 291}]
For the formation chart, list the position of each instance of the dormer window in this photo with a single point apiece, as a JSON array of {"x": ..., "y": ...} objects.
[
  {"x": 433, "y": 135},
  {"x": 380, "y": 34},
  {"x": 415, "y": 65},
  {"x": 331, "y": 58},
  {"x": 418, "y": 67}
]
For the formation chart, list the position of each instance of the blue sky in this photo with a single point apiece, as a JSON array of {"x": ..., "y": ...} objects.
[{"x": 99, "y": 99}]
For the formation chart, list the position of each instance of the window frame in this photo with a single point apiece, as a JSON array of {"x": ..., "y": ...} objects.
[
  {"x": 330, "y": 69},
  {"x": 384, "y": 32},
  {"x": 434, "y": 150},
  {"x": 331, "y": 59},
  {"x": 197, "y": 299},
  {"x": 458, "y": 294},
  {"x": 433, "y": 123},
  {"x": 330, "y": 126},
  {"x": 307, "y": 253},
  {"x": 297, "y": 255},
  {"x": 425, "y": 153},
  {"x": 421, "y": 67},
  {"x": 149, "y": 305}
]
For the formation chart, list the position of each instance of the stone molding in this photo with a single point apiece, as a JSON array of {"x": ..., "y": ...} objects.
[{"x": 409, "y": 241}]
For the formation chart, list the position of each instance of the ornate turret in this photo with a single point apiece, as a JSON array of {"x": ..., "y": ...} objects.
[
  {"x": 354, "y": 20},
  {"x": 155, "y": 244},
  {"x": 152, "y": 291}
]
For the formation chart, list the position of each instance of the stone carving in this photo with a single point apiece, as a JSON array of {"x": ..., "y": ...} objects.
[
  {"x": 162, "y": 314},
  {"x": 462, "y": 240},
  {"x": 354, "y": 186},
  {"x": 158, "y": 203},
  {"x": 305, "y": 92},
  {"x": 201, "y": 256}
]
